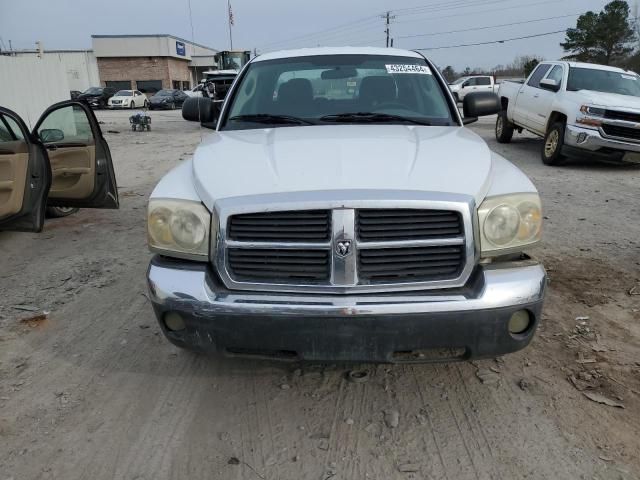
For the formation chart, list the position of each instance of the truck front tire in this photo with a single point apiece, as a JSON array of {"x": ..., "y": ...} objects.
[
  {"x": 553, "y": 143},
  {"x": 504, "y": 128}
]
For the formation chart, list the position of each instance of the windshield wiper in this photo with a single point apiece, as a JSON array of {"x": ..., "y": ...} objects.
[
  {"x": 271, "y": 119},
  {"x": 370, "y": 117}
]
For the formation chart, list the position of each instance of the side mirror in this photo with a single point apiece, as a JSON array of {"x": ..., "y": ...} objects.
[
  {"x": 201, "y": 109},
  {"x": 480, "y": 104},
  {"x": 51, "y": 135},
  {"x": 549, "y": 84}
]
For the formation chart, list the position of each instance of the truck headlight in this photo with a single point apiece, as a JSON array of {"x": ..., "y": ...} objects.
[
  {"x": 591, "y": 116},
  {"x": 178, "y": 228},
  {"x": 509, "y": 222}
]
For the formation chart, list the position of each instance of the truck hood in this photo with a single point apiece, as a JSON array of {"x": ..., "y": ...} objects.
[
  {"x": 600, "y": 99},
  {"x": 333, "y": 157}
]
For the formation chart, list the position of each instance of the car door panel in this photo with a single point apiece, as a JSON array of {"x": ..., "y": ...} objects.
[
  {"x": 73, "y": 170},
  {"x": 81, "y": 164},
  {"x": 25, "y": 177}
]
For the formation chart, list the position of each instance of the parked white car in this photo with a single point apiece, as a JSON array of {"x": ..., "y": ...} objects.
[
  {"x": 321, "y": 223},
  {"x": 195, "y": 91},
  {"x": 473, "y": 84},
  {"x": 128, "y": 99},
  {"x": 579, "y": 108}
]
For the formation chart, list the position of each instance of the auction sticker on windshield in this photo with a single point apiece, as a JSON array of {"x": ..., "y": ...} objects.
[{"x": 408, "y": 68}]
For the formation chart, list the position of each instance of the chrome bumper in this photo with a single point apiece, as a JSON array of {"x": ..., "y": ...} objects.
[
  {"x": 594, "y": 140},
  {"x": 348, "y": 327}
]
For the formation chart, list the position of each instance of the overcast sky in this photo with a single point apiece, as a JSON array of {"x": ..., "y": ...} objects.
[{"x": 279, "y": 24}]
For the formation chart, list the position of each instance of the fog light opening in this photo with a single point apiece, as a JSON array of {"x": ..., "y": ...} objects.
[
  {"x": 582, "y": 137},
  {"x": 520, "y": 322},
  {"x": 173, "y": 321}
]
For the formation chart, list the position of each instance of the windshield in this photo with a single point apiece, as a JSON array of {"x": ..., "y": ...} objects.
[
  {"x": 459, "y": 81},
  {"x": 604, "y": 81},
  {"x": 124, "y": 93},
  {"x": 317, "y": 89},
  {"x": 93, "y": 90},
  {"x": 164, "y": 93}
]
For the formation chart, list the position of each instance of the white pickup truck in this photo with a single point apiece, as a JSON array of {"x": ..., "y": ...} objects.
[
  {"x": 473, "y": 84},
  {"x": 318, "y": 221},
  {"x": 578, "y": 108}
]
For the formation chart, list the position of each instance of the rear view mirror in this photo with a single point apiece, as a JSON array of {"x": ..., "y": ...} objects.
[
  {"x": 480, "y": 104},
  {"x": 549, "y": 84},
  {"x": 51, "y": 135},
  {"x": 339, "y": 73},
  {"x": 201, "y": 109}
]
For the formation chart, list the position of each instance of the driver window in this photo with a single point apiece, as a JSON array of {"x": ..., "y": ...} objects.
[
  {"x": 68, "y": 124},
  {"x": 556, "y": 74}
]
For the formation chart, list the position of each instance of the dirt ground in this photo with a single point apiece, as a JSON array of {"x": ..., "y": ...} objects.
[{"x": 92, "y": 390}]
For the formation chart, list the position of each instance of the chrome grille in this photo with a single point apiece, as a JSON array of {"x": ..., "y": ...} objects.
[
  {"x": 406, "y": 224},
  {"x": 417, "y": 264},
  {"x": 294, "y": 226},
  {"x": 353, "y": 243}
]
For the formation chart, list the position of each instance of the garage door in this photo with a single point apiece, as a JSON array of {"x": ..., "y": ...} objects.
[{"x": 149, "y": 86}]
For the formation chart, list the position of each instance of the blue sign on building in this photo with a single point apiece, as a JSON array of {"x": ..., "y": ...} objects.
[{"x": 180, "y": 49}]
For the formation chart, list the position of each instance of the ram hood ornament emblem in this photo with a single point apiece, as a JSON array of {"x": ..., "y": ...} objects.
[{"x": 343, "y": 247}]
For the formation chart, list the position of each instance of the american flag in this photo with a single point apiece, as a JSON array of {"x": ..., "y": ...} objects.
[{"x": 230, "y": 15}]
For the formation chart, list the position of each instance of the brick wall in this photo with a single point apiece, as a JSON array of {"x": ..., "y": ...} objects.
[{"x": 142, "y": 68}]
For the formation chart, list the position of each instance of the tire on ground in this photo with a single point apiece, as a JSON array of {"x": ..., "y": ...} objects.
[
  {"x": 504, "y": 128},
  {"x": 553, "y": 143}
]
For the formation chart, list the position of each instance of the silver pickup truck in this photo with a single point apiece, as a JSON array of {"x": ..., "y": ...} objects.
[{"x": 339, "y": 210}]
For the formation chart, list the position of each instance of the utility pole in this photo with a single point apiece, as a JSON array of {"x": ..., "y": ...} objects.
[
  {"x": 230, "y": 23},
  {"x": 388, "y": 17}
]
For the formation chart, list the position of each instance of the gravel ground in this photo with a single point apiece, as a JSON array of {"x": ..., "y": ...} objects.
[{"x": 93, "y": 391}]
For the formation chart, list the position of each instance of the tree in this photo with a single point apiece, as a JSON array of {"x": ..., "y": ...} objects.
[
  {"x": 603, "y": 37},
  {"x": 529, "y": 66},
  {"x": 467, "y": 71},
  {"x": 449, "y": 73}
]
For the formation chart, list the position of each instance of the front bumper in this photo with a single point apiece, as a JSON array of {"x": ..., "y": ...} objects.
[
  {"x": 593, "y": 142},
  {"x": 456, "y": 324}
]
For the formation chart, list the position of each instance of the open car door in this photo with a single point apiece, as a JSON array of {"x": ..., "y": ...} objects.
[
  {"x": 79, "y": 156},
  {"x": 25, "y": 176}
]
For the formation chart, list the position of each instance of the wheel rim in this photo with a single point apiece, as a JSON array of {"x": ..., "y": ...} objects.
[
  {"x": 551, "y": 144},
  {"x": 499, "y": 126},
  {"x": 65, "y": 209}
]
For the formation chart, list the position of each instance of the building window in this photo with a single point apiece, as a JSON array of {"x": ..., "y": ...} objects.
[
  {"x": 186, "y": 86},
  {"x": 149, "y": 86},
  {"x": 176, "y": 85},
  {"x": 118, "y": 84}
]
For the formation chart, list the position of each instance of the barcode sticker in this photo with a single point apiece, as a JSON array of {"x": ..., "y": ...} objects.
[{"x": 408, "y": 68}]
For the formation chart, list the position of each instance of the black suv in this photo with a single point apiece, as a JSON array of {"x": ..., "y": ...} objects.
[{"x": 97, "y": 97}]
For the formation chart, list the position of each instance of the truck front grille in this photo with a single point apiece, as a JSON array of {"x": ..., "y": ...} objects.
[
  {"x": 279, "y": 266},
  {"x": 296, "y": 226},
  {"x": 626, "y": 116},
  {"x": 344, "y": 250},
  {"x": 380, "y": 225},
  {"x": 621, "y": 132},
  {"x": 416, "y": 264}
]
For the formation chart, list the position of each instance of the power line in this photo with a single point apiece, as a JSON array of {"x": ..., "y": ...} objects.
[
  {"x": 326, "y": 31},
  {"x": 491, "y": 10},
  {"x": 436, "y": 7},
  {"x": 488, "y": 27},
  {"x": 492, "y": 42}
]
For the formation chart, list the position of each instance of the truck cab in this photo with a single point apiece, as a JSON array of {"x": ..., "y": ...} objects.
[{"x": 472, "y": 84}]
